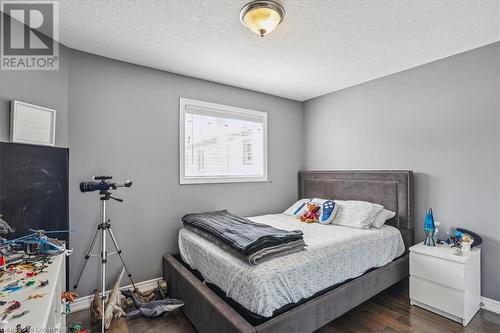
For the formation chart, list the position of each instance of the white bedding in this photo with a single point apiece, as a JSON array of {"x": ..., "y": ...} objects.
[{"x": 333, "y": 255}]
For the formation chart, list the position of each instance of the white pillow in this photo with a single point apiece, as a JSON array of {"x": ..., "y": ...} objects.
[
  {"x": 382, "y": 217},
  {"x": 297, "y": 208},
  {"x": 356, "y": 214}
]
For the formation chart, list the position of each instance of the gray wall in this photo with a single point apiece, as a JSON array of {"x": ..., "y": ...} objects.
[
  {"x": 440, "y": 120},
  {"x": 124, "y": 122},
  {"x": 44, "y": 88}
]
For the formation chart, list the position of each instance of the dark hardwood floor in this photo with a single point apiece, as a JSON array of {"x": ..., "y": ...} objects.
[{"x": 388, "y": 312}]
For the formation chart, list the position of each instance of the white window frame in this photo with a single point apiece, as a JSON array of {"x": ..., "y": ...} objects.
[{"x": 229, "y": 109}]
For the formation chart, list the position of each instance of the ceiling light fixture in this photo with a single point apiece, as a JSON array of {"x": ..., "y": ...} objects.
[{"x": 262, "y": 16}]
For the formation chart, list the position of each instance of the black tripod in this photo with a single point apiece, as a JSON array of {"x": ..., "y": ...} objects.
[{"x": 104, "y": 226}]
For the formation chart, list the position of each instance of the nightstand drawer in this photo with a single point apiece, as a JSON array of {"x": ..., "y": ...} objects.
[
  {"x": 437, "y": 296},
  {"x": 439, "y": 270}
]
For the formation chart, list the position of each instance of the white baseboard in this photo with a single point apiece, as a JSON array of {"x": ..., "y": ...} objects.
[
  {"x": 490, "y": 305},
  {"x": 82, "y": 303}
]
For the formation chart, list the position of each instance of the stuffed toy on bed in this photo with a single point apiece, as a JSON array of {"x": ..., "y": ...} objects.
[
  {"x": 311, "y": 214},
  {"x": 325, "y": 213}
]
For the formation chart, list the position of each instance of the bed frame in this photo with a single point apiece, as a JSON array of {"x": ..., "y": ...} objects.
[{"x": 392, "y": 189}]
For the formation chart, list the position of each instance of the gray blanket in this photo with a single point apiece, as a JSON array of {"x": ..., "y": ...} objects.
[
  {"x": 259, "y": 256},
  {"x": 241, "y": 234}
]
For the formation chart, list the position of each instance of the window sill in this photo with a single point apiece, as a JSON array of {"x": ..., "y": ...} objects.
[{"x": 198, "y": 181}]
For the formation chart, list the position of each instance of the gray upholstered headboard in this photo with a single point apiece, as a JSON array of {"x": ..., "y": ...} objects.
[{"x": 392, "y": 189}]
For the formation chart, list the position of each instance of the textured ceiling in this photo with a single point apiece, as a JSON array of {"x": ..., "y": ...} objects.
[{"x": 321, "y": 46}]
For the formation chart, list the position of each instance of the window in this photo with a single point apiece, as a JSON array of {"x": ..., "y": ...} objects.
[{"x": 221, "y": 144}]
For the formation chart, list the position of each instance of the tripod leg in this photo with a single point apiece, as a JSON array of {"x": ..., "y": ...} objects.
[
  {"x": 86, "y": 259},
  {"x": 119, "y": 251},
  {"x": 104, "y": 255},
  {"x": 103, "y": 278}
]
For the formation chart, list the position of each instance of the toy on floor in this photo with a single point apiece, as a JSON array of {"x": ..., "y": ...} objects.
[
  {"x": 76, "y": 327},
  {"x": 151, "y": 309},
  {"x": 95, "y": 308},
  {"x": 69, "y": 296},
  {"x": 161, "y": 290},
  {"x": 113, "y": 309},
  {"x": 311, "y": 214},
  {"x": 156, "y": 293}
]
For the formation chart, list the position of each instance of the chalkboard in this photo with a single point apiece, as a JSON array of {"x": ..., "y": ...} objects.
[{"x": 34, "y": 188}]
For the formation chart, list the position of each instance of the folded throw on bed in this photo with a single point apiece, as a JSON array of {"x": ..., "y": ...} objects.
[
  {"x": 241, "y": 234},
  {"x": 256, "y": 257}
]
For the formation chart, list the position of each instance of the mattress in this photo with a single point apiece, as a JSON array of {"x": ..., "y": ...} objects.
[{"x": 333, "y": 255}]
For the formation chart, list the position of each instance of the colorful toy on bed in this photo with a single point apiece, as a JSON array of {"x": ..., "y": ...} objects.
[
  {"x": 326, "y": 212},
  {"x": 311, "y": 214}
]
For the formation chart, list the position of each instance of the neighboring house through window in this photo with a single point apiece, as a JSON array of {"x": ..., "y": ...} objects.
[{"x": 221, "y": 144}]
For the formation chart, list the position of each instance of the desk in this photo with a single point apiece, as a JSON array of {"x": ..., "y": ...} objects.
[{"x": 45, "y": 312}]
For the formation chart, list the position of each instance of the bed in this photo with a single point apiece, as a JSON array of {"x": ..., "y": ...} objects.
[{"x": 224, "y": 294}]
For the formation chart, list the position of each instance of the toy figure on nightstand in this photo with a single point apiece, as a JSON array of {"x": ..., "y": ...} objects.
[{"x": 429, "y": 228}]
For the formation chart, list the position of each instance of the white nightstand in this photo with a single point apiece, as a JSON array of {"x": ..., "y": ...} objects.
[{"x": 444, "y": 283}]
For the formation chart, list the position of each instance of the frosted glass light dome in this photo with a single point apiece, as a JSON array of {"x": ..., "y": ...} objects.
[{"x": 262, "y": 17}]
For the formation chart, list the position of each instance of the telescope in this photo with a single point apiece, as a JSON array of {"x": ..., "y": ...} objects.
[{"x": 103, "y": 185}]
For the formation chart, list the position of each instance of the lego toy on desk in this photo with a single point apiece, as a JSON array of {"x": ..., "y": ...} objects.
[
  {"x": 38, "y": 243},
  {"x": 13, "y": 286},
  {"x": 18, "y": 250},
  {"x": 15, "y": 305},
  {"x": 7, "y": 255},
  {"x": 22, "y": 290},
  {"x": 19, "y": 315},
  {"x": 35, "y": 296},
  {"x": 5, "y": 228}
]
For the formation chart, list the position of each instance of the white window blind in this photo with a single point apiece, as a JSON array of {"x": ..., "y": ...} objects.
[{"x": 221, "y": 143}]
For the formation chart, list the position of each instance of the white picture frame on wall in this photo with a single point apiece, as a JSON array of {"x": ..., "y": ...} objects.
[{"x": 32, "y": 124}]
